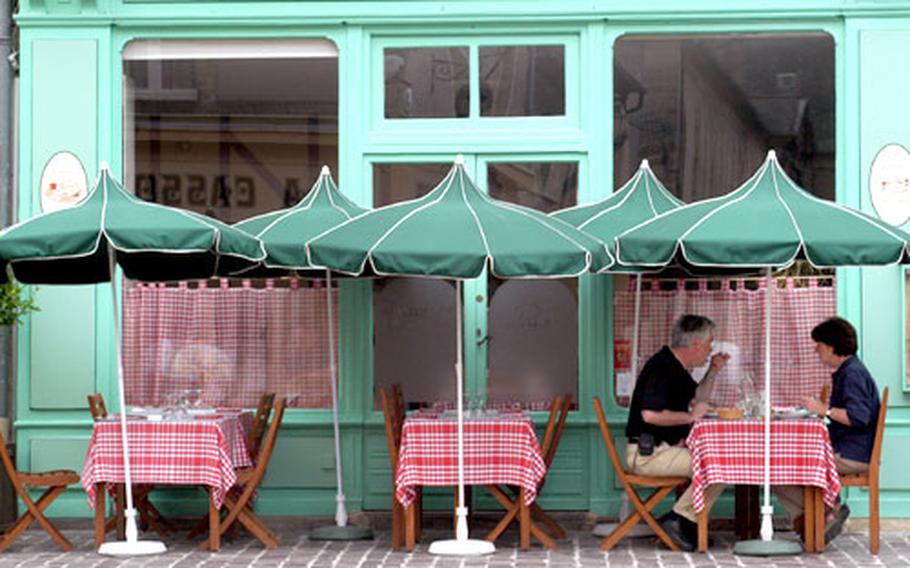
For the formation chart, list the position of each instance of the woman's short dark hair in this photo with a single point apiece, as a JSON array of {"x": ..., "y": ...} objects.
[{"x": 838, "y": 333}]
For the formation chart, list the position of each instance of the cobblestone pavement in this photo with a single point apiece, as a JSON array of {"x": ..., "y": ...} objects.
[{"x": 580, "y": 549}]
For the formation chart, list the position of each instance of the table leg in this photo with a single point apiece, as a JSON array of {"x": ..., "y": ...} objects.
[
  {"x": 524, "y": 521},
  {"x": 819, "y": 519},
  {"x": 214, "y": 523},
  {"x": 410, "y": 527},
  {"x": 808, "y": 518},
  {"x": 100, "y": 520},
  {"x": 119, "y": 508}
]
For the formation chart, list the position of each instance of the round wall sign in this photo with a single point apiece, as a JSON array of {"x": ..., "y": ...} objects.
[
  {"x": 63, "y": 182},
  {"x": 889, "y": 184}
]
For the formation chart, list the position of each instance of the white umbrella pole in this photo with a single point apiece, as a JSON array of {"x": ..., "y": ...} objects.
[
  {"x": 625, "y": 510},
  {"x": 767, "y": 530},
  {"x": 462, "y": 545},
  {"x": 341, "y": 513},
  {"x": 340, "y": 530},
  {"x": 132, "y": 545}
]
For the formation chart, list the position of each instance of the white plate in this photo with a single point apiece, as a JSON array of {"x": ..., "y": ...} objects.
[{"x": 202, "y": 411}]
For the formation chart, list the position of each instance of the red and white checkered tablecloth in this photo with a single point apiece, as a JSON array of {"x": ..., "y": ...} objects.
[
  {"x": 499, "y": 451},
  {"x": 203, "y": 451},
  {"x": 732, "y": 452}
]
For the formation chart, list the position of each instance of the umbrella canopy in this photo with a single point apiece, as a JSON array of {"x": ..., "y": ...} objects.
[
  {"x": 151, "y": 241},
  {"x": 455, "y": 231},
  {"x": 284, "y": 233},
  {"x": 643, "y": 197},
  {"x": 769, "y": 221}
]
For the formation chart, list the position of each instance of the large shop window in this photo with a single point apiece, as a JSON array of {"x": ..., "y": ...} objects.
[
  {"x": 704, "y": 110},
  {"x": 230, "y": 129},
  {"x": 512, "y": 80}
]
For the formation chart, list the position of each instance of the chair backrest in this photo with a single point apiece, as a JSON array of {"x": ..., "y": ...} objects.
[
  {"x": 8, "y": 464},
  {"x": 608, "y": 440},
  {"x": 879, "y": 434},
  {"x": 393, "y": 439},
  {"x": 260, "y": 423},
  {"x": 564, "y": 409},
  {"x": 551, "y": 424},
  {"x": 398, "y": 400},
  {"x": 268, "y": 446},
  {"x": 96, "y": 406}
]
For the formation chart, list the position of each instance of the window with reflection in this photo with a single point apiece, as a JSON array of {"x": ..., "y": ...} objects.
[
  {"x": 705, "y": 109},
  {"x": 227, "y": 128},
  {"x": 522, "y": 80},
  {"x": 532, "y": 325},
  {"x": 426, "y": 82},
  {"x": 413, "y": 318}
]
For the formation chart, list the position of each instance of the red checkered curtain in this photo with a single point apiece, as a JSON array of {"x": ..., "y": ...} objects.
[
  {"x": 739, "y": 312},
  {"x": 229, "y": 343}
]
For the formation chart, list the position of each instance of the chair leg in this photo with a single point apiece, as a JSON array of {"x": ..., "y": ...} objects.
[
  {"x": 642, "y": 512},
  {"x": 410, "y": 522},
  {"x": 874, "y": 527},
  {"x": 397, "y": 524},
  {"x": 542, "y": 516},
  {"x": 703, "y": 529},
  {"x": 100, "y": 523},
  {"x": 34, "y": 513}
]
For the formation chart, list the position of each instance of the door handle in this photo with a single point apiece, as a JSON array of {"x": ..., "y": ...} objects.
[{"x": 486, "y": 339}]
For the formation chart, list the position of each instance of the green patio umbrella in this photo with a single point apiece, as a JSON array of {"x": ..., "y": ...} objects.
[
  {"x": 456, "y": 231},
  {"x": 82, "y": 245},
  {"x": 769, "y": 222},
  {"x": 284, "y": 234},
  {"x": 640, "y": 199},
  {"x": 151, "y": 241}
]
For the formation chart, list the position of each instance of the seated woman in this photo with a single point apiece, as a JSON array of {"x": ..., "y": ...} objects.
[{"x": 852, "y": 413}]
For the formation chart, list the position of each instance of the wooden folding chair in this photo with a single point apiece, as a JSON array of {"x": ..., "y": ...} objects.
[
  {"x": 559, "y": 412},
  {"x": 149, "y": 515},
  {"x": 870, "y": 478},
  {"x": 237, "y": 502},
  {"x": 56, "y": 483},
  {"x": 260, "y": 423},
  {"x": 662, "y": 486},
  {"x": 403, "y": 533}
]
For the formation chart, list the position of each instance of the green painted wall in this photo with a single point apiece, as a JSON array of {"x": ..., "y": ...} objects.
[{"x": 71, "y": 98}]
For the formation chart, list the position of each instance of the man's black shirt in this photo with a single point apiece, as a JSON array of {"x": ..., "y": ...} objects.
[{"x": 664, "y": 384}]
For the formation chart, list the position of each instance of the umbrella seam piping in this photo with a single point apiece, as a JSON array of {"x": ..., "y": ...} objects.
[
  {"x": 799, "y": 231},
  {"x": 667, "y": 213},
  {"x": 648, "y": 194},
  {"x": 309, "y": 252},
  {"x": 679, "y": 248},
  {"x": 588, "y": 256},
  {"x": 332, "y": 200},
  {"x": 312, "y": 195},
  {"x": 483, "y": 236},
  {"x": 858, "y": 214},
  {"x": 630, "y": 191},
  {"x": 407, "y": 216}
]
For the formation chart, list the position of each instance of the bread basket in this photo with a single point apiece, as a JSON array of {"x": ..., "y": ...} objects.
[{"x": 730, "y": 413}]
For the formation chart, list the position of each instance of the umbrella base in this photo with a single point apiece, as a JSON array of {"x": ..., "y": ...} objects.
[
  {"x": 772, "y": 547},
  {"x": 465, "y": 547},
  {"x": 134, "y": 548},
  {"x": 334, "y": 532}
]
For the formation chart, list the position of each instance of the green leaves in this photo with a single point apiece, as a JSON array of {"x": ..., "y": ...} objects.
[{"x": 15, "y": 302}]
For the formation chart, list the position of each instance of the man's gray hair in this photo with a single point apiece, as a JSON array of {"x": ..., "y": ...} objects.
[{"x": 689, "y": 327}]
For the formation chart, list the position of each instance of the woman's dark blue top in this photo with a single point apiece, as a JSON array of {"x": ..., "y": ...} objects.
[{"x": 853, "y": 389}]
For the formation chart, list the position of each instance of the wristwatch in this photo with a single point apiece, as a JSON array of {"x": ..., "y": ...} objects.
[{"x": 828, "y": 413}]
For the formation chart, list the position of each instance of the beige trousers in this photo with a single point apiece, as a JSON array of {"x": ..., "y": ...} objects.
[
  {"x": 791, "y": 496},
  {"x": 671, "y": 460}
]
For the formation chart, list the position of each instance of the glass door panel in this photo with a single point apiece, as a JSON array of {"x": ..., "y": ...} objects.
[{"x": 531, "y": 339}]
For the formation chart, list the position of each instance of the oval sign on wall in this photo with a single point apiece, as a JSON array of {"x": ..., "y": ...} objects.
[
  {"x": 63, "y": 182},
  {"x": 889, "y": 184}
]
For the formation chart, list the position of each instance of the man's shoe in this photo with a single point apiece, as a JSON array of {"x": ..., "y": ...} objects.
[
  {"x": 678, "y": 530},
  {"x": 836, "y": 524}
]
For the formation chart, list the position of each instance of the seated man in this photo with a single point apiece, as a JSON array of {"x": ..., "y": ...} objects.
[
  {"x": 852, "y": 414},
  {"x": 665, "y": 402}
]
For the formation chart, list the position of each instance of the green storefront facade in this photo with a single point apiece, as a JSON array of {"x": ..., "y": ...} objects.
[{"x": 71, "y": 97}]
